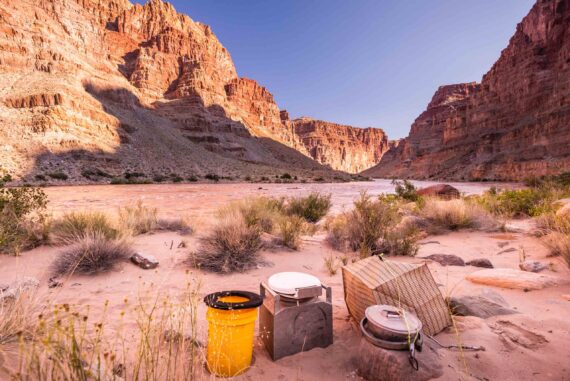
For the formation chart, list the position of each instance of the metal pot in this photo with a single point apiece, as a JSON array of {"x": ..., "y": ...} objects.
[{"x": 392, "y": 324}]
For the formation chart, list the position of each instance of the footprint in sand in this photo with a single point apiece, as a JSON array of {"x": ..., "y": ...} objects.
[{"x": 512, "y": 333}]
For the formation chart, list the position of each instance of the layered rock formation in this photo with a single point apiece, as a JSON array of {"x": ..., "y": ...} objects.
[
  {"x": 341, "y": 147},
  {"x": 514, "y": 124},
  {"x": 128, "y": 87}
]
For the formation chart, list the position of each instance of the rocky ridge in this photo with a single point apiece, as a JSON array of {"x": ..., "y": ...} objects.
[
  {"x": 514, "y": 124},
  {"x": 128, "y": 87}
]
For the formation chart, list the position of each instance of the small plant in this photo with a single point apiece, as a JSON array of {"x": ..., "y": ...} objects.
[
  {"x": 319, "y": 179},
  {"x": 290, "y": 229},
  {"x": 232, "y": 246},
  {"x": 90, "y": 173},
  {"x": 18, "y": 316},
  {"x": 247, "y": 178},
  {"x": 137, "y": 219},
  {"x": 331, "y": 264},
  {"x": 406, "y": 190},
  {"x": 365, "y": 227},
  {"x": 401, "y": 241},
  {"x": 40, "y": 177},
  {"x": 23, "y": 220},
  {"x": 192, "y": 179},
  {"x": 177, "y": 179},
  {"x": 75, "y": 226},
  {"x": 312, "y": 207},
  {"x": 91, "y": 255},
  {"x": 258, "y": 211},
  {"x": 133, "y": 175},
  {"x": 286, "y": 176},
  {"x": 59, "y": 175},
  {"x": 453, "y": 214},
  {"x": 159, "y": 178},
  {"x": 180, "y": 225}
]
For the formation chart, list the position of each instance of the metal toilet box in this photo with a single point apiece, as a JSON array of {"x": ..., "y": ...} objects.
[{"x": 289, "y": 325}]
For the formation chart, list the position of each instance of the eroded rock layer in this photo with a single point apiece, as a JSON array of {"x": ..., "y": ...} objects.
[
  {"x": 341, "y": 147},
  {"x": 121, "y": 87},
  {"x": 514, "y": 124}
]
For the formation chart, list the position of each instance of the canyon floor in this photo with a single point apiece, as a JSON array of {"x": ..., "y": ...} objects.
[{"x": 530, "y": 345}]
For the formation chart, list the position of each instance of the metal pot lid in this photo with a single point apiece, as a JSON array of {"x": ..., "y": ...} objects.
[
  {"x": 287, "y": 283},
  {"x": 393, "y": 319}
]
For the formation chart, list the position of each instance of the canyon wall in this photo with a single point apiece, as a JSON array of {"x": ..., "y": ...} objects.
[
  {"x": 341, "y": 147},
  {"x": 118, "y": 86},
  {"x": 514, "y": 124}
]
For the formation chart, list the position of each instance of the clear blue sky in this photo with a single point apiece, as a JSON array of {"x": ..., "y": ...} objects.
[{"x": 360, "y": 62}]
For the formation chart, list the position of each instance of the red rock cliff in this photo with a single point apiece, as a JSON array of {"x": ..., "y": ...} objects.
[
  {"x": 342, "y": 147},
  {"x": 130, "y": 87},
  {"x": 515, "y": 124}
]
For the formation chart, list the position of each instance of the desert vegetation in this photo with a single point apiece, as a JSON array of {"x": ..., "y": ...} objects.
[
  {"x": 138, "y": 219},
  {"x": 453, "y": 214},
  {"x": 91, "y": 254},
  {"x": 75, "y": 226},
  {"x": 24, "y": 222},
  {"x": 234, "y": 243},
  {"x": 372, "y": 227},
  {"x": 66, "y": 343}
]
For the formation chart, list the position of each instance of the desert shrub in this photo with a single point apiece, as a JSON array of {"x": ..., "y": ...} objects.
[
  {"x": 290, "y": 229},
  {"x": 312, "y": 207},
  {"x": 177, "y": 179},
  {"x": 181, "y": 225},
  {"x": 406, "y": 190},
  {"x": 453, "y": 214},
  {"x": 91, "y": 255},
  {"x": 258, "y": 211},
  {"x": 75, "y": 226},
  {"x": 551, "y": 222},
  {"x": 363, "y": 228},
  {"x": 192, "y": 178},
  {"x": 286, "y": 176},
  {"x": 401, "y": 241},
  {"x": 18, "y": 316},
  {"x": 23, "y": 219},
  {"x": 319, "y": 179},
  {"x": 40, "y": 177},
  {"x": 213, "y": 177},
  {"x": 522, "y": 202},
  {"x": 137, "y": 219},
  {"x": 133, "y": 175},
  {"x": 558, "y": 244},
  {"x": 59, "y": 175},
  {"x": 231, "y": 246},
  {"x": 159, "y": 178}
]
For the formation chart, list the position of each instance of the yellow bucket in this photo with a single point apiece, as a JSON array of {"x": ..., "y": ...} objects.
[{"x": 231, "y": 319}]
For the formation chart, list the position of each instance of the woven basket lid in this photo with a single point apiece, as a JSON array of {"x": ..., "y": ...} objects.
[
  {"x": 287, "y": 283},
  {"x": 393, "y": 319}
]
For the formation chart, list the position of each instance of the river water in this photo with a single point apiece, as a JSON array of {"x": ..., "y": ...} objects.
[{"x": 204, "y": 199}]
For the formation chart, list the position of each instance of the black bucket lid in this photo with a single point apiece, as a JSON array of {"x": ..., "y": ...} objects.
[{"x": 253, "y": 300}]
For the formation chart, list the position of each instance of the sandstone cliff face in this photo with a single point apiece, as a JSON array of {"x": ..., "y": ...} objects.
[
  {"x": 341, "y": 147},
  {"x": 131, "y": 87},
  {"x": 515, "y": 124}
]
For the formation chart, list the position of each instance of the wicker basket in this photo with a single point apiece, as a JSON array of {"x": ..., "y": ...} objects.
[{"x": 408, "y": 286}]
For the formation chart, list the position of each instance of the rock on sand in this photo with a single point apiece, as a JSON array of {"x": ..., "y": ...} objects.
[{"x": 511, "y": 278}]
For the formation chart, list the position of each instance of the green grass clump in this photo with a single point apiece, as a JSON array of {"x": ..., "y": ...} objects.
[
  {"x": 312, "y": 207},
  {"x": 406, "y": 190},
  {"x": 75, "y": 226}
]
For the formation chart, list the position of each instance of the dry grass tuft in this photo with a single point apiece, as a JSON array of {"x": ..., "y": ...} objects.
[
  {"x": 18, "y": 316},
  {"x": 262, "y": 212},
  {"x": 74, "y": 227},
  {"x": 91, "y": 255},
  {"x": 181, "y": 225},
  {"x": 231, "y": 246},
  {"x": 453, "y": 214},
  {"x": 331, "y": 264},
  {"x": 558, "y": 244},
  {"x": 290, "y": 229},
  {"x": 137, "y": 219}
]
